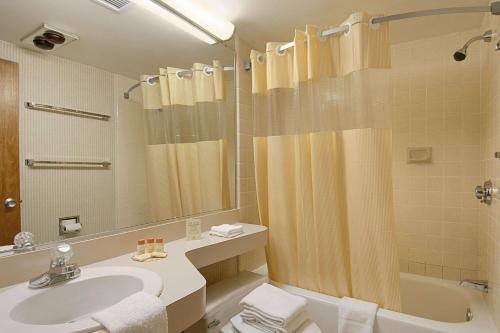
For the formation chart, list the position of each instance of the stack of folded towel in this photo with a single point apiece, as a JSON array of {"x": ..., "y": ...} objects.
[
  {"x": 226, "y": 230},
  {"x": 273, "y": 310}
]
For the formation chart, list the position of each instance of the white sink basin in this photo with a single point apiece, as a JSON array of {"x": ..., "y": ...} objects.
[{"x": 67, "y": 307}]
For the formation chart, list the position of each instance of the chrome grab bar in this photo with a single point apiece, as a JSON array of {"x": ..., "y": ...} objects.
[
  {"x": 73, "y": 112},
  {"x": 32, "y": 163}
]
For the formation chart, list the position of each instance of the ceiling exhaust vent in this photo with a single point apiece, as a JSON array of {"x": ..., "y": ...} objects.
[
  {"x": 114, "y": 5},
  {"x": 47, "y": 38}
]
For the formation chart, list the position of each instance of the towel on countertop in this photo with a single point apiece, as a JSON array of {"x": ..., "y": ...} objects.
[
  {"x": 226, "y": 230},
  {"x": 239, "y": 326},
  {"x": 138, "y": 313},
  {"x": 356, "y": 316}
]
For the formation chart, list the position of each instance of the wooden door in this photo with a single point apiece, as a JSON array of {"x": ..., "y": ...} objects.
[{"x": 10, "y": 210}]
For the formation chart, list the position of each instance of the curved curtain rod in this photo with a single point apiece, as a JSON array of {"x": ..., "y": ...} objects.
[
  {"x": 493, "y": 8},
  {"x": 156, "y": 78}
]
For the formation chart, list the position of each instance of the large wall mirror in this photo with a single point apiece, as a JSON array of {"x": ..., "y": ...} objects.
[{"x": 124, "y": 120}]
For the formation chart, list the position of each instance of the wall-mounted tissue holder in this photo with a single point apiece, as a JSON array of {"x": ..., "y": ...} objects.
[
  {"x": 69, "y": 225},
  {"x": 419, "y": 155}
]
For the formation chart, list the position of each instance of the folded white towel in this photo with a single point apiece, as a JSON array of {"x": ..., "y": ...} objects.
[
  {"x": 239, "y": 326},
  {"x": 356, "y": 316},
  {"x": 254, "y": 319},
  {"x": 276, "y": 305},
  {"x": 226, "y": 230},
  {"x": 218, "y": 234},
  {"x": 138, "y": 313}
]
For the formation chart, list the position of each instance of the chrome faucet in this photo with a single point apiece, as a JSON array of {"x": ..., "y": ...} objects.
[
  {"x": 481, "y": 285},
  {"x": 60, "y": 269}
]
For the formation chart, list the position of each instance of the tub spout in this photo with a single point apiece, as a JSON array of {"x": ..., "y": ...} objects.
[{"x": 481, "y": 285}]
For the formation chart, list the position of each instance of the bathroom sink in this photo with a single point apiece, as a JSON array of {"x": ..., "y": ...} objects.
[{"x": 68, "y": 306}]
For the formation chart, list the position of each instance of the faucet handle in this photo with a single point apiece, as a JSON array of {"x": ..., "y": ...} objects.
[{"x": 61, "y": 254}]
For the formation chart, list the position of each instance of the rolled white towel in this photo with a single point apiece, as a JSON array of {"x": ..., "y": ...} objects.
[
  {"x": 356, "y": 316},
  {"x": 138, "y": 313},
  {"x": 226, "y": 230},
  {"x": 275, "y": 305}
]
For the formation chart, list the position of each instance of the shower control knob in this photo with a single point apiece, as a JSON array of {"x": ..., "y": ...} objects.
[
  {"x": 486, "y": 192},
  {"x": 479, "y": 192}
]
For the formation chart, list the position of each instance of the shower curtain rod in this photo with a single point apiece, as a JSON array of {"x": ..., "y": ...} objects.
[
  {"x": 493, "y": 8},
  {"x": 155, "y": 78}
]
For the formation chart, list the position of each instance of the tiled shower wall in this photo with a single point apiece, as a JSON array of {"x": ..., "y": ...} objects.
[
  {"x": 247, "y": 196},
  {"x": 436, "y": 104},
  {"x": 489, "y": 216}
]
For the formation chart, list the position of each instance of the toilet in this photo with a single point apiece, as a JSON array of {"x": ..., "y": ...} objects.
[{"x": 223, "y": 300}]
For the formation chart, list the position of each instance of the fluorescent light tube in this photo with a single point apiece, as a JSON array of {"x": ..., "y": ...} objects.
[{"x": 190, "y": 18}]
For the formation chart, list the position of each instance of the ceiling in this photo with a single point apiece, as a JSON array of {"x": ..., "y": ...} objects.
[
  {"x": 134, "y": 41},
  {"x": 258, "y": 21},
  {"x": 131, "y": 42}
]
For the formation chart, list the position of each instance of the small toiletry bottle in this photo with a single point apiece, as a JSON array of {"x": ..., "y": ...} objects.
[
  {"x": 159, "y": 245},
  {"x": 141, "y": 246},
  {"x": 193, "y": 229},
  {"x": 150, "y": 245}
]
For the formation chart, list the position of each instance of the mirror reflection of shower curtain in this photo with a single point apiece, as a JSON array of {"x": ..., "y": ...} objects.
[
  {"x": 186, "y": 158},
  {"x": 322, "y": 151}
]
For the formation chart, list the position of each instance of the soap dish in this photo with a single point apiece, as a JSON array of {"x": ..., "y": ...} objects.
[{"x": 147, "y": 257}]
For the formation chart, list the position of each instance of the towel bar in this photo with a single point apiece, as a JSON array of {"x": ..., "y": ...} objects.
[
  {"x": 58, "y": 109},
  {"x": 32, "y": 163}
]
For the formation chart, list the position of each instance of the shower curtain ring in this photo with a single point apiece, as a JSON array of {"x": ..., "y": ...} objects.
[
  {"x": 152, "y": 80},
  {"x": 372, "y": 25},
  {"x": 349, "y": 28},
  {"x": 179, "y": 75},
  {"x": 280, "y": 52},
  {"x": 208, "y": 71}
]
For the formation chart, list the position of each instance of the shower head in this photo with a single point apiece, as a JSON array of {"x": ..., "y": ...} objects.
[{"x": 461, "y": 53}]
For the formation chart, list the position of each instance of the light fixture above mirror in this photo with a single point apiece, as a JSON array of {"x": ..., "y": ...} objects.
[{"x": 191, "y": 18}]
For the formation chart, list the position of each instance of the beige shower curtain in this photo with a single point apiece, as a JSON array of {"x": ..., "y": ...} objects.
[
  {"x": 186, "y": 160},
  {"x": 322, "y": 148}
]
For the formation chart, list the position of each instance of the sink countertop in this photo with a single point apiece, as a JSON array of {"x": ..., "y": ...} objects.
[
  {"x": 183, "y": 285},
  {"x": 180, "y": 274}
]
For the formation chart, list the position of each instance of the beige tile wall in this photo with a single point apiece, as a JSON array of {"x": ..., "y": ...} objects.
[
  {"x": 436, "y": 104},
  {"x": 489, "y": 217},
  {"x": 247, "y": 197}
]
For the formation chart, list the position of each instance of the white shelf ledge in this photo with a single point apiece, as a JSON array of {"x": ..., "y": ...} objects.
[{"x": 184, "y": 287}]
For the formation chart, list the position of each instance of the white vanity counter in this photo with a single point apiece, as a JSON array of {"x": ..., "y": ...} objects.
[{"x": 183, "y": 285}]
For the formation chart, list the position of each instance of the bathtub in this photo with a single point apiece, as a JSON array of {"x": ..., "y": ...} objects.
[{"x": 429, "y": 306}]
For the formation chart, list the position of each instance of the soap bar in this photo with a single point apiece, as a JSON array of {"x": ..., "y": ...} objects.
[{"x": 142, "y": 257}]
